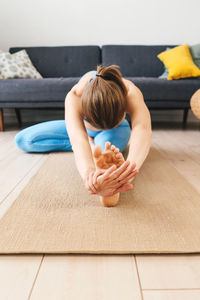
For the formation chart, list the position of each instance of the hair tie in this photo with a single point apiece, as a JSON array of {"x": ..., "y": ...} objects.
[
  {"x": 104, "y": 77},
  {"x": 99, "y": 75}
]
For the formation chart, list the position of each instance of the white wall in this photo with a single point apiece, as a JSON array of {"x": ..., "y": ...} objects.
[{"x": 91, "y": 22}]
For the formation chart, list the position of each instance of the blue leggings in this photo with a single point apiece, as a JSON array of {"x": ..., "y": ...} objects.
[{"x": 52, "y": 136}]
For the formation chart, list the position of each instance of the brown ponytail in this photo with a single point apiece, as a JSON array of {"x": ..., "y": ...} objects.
[{"x": 103, "y": 100}]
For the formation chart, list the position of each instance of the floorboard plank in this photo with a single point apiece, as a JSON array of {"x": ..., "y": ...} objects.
[
  {"x": 172, "y": 295},
  {"x": 14, "y": 163},
  {"x": 185, "y": 161},
  {"x": 17, "y": 275},
  {"x": 175, "y": 271},
  {"x": 90, "y": 277},
  {"x": 11, "y": 195}
]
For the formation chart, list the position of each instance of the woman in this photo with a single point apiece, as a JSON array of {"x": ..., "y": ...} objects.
[{"x": 95, "y": 110}]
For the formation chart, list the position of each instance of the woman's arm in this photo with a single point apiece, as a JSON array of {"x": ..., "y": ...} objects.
[
  {"x": 78, "y": 135},
  {"x": 141, "y": 133},
  {"x": 140, "y": 142}
]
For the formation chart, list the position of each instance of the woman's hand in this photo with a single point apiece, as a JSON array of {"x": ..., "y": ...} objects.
[
  {"x": 88, "y": 180},
  {"x": 107, "y": 182}
]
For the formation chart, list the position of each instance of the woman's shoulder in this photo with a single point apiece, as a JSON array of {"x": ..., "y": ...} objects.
[
  {"x": 132, "y": 93},
  {"x": 130, "y": 86},
  {"x": 80, "y": 86}
]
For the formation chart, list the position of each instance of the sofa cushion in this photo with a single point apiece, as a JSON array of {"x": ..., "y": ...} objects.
[
  {"x": 195, "y": 52},
  {"x": 63, "y": 61},
  {"x": 159, "y": 89},
  {"x": 135, "y": 60},
  {"x": 179, "y": 62},
  {"x": 17, "y": 65},
  {"x": 36, "y": 90},
  {"x": 51, "y": 90}
]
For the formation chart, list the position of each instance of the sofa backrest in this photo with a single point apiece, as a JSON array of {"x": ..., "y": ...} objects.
[
  {"x": 63, "y": 61},
  {"x": 135, "y": 60}
]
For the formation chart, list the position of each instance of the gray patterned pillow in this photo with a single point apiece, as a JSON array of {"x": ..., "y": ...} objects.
[{"x": 17, "y": 65}]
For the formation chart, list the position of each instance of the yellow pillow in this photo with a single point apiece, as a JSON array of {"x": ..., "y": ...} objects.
[{"x": 179, "y": 62}]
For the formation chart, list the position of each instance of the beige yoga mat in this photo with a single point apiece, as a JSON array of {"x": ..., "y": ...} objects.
[{"x": 55, "y": 214}]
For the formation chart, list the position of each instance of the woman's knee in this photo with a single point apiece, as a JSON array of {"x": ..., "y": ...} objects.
[
  {"x": 119, "y": 138},
  {"x": 101, "y": 140},
  {"x": 44, "y": 137},
  {"x": 22, "y": 143}
]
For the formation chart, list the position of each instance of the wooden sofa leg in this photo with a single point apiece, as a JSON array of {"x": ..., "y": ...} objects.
[
  {"x": 185, "y": 117},
  {"x": 1, "y": 120}
]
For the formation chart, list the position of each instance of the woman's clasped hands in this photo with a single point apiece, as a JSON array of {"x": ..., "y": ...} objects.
[{"x": 107, "y": 182}]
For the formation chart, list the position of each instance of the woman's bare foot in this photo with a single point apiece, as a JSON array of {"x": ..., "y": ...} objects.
[{"x": 110, "y": 156}]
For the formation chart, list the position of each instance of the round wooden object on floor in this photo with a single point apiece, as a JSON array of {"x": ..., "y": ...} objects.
[{"x": 195, "y": 103}]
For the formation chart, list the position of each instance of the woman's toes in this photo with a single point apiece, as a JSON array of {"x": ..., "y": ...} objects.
[
  {"x": 97, "y": 151},
  {"x": 119, "y": 155},
  {"x": 107, "y": 145},
  {"x": 112, "y": 147},
  {"x": 120, "y": 158}
]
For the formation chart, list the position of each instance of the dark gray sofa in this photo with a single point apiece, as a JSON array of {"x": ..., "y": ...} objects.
[{"x": 63, "y": 66}]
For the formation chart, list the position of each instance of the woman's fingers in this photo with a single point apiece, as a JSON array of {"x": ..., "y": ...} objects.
[
  {"x": 130, "y": 176},
  {"x": 91, "y": 193},
  {"x": 90, "y": 182},
  {"x": 122, "y": 171},
  {"x": 126, "y": 173},
  {"x": 119, "y": 174},
  {"x": 96, "y": 174},
  {"x": 125, "y": 187},
  {"x": 106, "y": 175},
  {"x": 112, "y": 180}
]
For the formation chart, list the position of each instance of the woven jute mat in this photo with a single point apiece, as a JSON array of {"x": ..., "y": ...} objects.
[{"x": 55, "y": 214}]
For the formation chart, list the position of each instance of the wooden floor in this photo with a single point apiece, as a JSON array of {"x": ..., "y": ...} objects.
[{"x": 99, "y": 277}]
